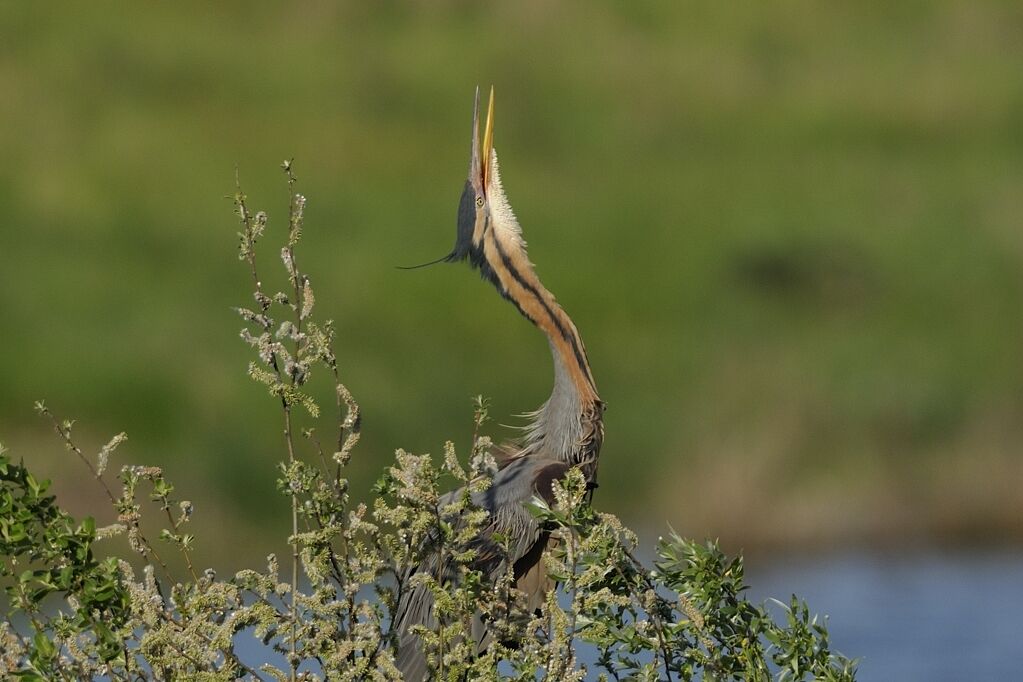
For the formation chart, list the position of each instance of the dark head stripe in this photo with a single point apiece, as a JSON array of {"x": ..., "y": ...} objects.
[{"x": 569, "y": 335}]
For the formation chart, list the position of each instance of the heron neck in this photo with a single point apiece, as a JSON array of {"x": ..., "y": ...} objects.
[
  {"x": 511, "y": 271},
  {"x": 568, "y": 426}
]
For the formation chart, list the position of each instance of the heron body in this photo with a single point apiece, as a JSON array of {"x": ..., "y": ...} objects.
[{"x": 566, "y": 431}]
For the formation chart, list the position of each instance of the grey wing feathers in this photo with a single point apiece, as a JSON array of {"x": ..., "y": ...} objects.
[
  {"x": 513, "y": 486},
  {"x": 415, "y": 608}
]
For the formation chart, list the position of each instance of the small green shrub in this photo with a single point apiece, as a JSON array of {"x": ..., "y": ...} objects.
[{"x": 683, "y": 617}]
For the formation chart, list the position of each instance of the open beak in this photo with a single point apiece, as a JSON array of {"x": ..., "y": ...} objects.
[
  {"x": 488, "y": 140},
  {"x": 479, "y": 163}
]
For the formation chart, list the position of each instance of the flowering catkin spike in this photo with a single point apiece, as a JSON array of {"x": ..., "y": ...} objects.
[
  {"x": 104, "y": 454},
  {"x": 308, "y": 300}
]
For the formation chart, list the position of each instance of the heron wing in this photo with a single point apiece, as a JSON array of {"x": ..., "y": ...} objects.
[{"x": 512, "y": 537}]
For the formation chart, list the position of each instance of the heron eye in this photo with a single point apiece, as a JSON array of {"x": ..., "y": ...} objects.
[{"x": 479, "y": 201}]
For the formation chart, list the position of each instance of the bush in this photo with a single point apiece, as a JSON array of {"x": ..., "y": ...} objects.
[{"x": 74, "y": 616}]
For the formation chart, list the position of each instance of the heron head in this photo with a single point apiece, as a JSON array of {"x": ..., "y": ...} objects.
[
  {"x": 473, "y": 207},
  {"x": 482, "y": 185}
]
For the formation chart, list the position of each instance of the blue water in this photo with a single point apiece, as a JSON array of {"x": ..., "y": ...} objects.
[{"x": 926, "y": 616}]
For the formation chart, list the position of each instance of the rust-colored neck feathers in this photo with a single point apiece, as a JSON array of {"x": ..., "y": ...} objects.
[{"x": 569, "y": 426}]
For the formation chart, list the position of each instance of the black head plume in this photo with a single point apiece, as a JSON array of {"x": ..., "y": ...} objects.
[{"x": 467, "y": 203}]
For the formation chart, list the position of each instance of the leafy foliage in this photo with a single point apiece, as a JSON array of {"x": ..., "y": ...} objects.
[
  {"x": 330, "y": 617},
  {"x": 47, "y": 552}
]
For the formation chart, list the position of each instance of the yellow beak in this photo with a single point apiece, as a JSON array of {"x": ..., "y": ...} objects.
[{"x": 488, "y": 139}]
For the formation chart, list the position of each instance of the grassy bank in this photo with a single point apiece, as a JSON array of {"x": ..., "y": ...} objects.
[{"x": 790, "y": 238}]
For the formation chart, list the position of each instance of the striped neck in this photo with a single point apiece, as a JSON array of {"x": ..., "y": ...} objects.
[{"x": 569, "y": 426}]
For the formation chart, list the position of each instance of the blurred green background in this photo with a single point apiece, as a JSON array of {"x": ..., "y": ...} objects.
[{"x": 791, "y": 237}]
